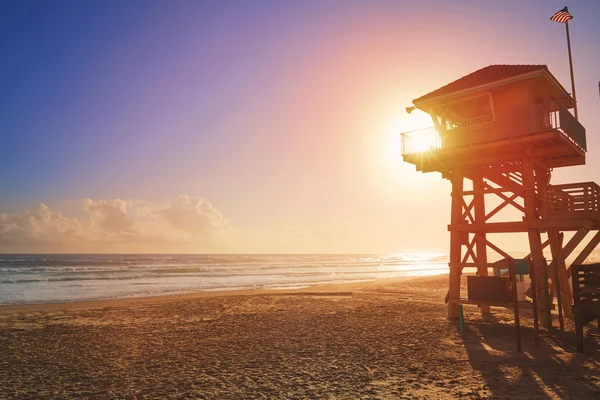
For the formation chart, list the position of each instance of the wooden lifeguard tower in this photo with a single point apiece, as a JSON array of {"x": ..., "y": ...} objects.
[{"x": 505, "y": 128}]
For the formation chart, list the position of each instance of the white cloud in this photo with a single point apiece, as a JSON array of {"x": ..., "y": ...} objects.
[
  {"x": 110, "y": 215},
  {"x": 194, "y": 215},
  {"x": 187, "y": 224},
  {"x": 38, "y": 225}
]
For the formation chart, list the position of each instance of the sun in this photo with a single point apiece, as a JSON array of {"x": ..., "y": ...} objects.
[
  {"x": 419, "y": 133},
  {"x": 392, "y": 128},
  {"x": 422, "y": 140}
]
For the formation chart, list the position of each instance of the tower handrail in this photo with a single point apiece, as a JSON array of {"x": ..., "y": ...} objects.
[
  {"x": 552, "y": 115},
  {"x": 548, "y": 116},
  {"x": 568, "y": 200}
]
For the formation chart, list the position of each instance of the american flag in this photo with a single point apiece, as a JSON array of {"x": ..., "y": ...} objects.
[{"x": 562, "y": 16}]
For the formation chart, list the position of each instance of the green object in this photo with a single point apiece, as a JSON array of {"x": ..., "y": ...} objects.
[
  {"x": 461, "y": 320},
  {"x": 521, "y": 266}
]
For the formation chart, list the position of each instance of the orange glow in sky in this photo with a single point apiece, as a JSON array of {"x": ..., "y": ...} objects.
[{"x": 271, "y": 127}]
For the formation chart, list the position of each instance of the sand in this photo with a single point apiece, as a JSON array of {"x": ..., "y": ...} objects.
[{"x": 384, "y": 339}]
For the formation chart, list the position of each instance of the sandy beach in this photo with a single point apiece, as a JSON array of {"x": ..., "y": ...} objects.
[{"x": 382, "y": 339}]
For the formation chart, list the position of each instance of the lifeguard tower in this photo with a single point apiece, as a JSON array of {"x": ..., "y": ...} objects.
[{"x": 505, "y": 128}]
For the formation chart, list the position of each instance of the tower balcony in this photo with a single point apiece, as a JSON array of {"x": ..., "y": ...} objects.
[
  {"x": 547, "y": 131},
  {"x": 573, "y": 201}
]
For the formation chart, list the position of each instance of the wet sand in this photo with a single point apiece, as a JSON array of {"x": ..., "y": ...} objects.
[{"x": 383, "y": 339}]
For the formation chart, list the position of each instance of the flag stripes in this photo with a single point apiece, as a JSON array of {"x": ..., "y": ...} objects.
[{"x": 562, "y": 16}]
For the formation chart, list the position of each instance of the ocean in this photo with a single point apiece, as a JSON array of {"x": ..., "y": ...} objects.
[{"x": 46, "y": 278}]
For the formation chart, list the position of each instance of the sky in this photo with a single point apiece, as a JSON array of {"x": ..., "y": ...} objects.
[{"x": 250, "y": 126}]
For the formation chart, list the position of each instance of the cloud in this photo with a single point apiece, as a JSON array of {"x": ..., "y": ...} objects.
[
  {"x": 38, "y": 225},
  {"x": 110, "y": 215},
  {"x": 186, "y": 224},
  {"x": 194, "y": 215}
]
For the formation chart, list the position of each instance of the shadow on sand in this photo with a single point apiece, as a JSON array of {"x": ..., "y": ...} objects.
[{"x": 554, "y": 369}]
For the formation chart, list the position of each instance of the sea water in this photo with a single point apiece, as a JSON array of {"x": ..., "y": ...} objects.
[{"x": 45, "y": 278}]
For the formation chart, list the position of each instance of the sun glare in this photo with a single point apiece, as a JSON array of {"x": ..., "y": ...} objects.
[
  {"x": 422, "y": 141},
  {"x": 421, "y": 136},
  {"x": 390, "y": 149},
  {"x": 415, "y": 120}
]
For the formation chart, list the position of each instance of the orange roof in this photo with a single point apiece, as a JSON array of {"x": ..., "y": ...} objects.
[{"x": 483, "y": 76}]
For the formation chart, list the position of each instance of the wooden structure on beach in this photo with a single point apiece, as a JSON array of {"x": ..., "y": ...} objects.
[
  {"x": 505, "y": 128},
  {"x": 586, "y": 298}
]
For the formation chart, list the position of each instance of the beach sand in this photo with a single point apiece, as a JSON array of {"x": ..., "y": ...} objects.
[{"x": 382, "y": 339}]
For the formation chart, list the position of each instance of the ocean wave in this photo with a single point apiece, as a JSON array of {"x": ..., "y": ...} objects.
[
  {"x": 106, "y": 260},
  {"x": 41, "y": 278},
  {"x": 212, "y": 274},
  {"x": 179, "y": 268}
]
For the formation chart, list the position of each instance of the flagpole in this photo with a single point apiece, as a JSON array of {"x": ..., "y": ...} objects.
[{"x": 571, "y": 67}]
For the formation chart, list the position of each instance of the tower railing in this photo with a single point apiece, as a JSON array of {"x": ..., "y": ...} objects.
[
  {"x": 574, "y": 201},
  {"x": 550, "y": 116},
  {"x": 420, "y": 140}
]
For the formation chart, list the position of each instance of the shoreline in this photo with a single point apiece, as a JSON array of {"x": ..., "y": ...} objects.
[{"x": 161, "y": 298}]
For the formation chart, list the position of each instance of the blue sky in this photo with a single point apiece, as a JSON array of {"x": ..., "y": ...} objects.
[{"x": 278, "y": 114}]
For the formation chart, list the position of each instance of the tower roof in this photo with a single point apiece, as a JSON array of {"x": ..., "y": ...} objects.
[{"x": 485, "y": 76}]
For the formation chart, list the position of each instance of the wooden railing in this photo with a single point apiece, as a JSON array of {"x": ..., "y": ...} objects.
[
  {"x": 520, "y": 121},
  {"x": 420, "y": 141},
  {"x": 586, "y": 298},
  {"x": 574, "y": 201},
  {"x": 553, "y": 116}
]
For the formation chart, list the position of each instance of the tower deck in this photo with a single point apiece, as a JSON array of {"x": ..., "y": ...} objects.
[{"x": 547, "y": 133}]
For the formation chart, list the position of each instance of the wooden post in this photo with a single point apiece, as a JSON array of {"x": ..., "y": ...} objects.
[
  {"x": 535, "y": 241},
  {"x": 536, "y": 331},
  {"x": 513, "y": 281},
  {"x": 563, "y": 253},
  {"x": 455, "y": 242},
  {"x": 578, "y": 316},
  {"x": 562, "y": 288},
  {"x": 461, "y": 321},
  {"x": 547, "y": 316},
  {"x": 480, "y": 237},
  {"x": 587, "y": 250},
  {"x": 556, "y": 246}
]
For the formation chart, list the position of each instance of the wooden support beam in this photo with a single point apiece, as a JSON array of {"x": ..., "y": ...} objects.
[
  {"x": 480, "y": 237},
  {"x": 504, "y": 182},
  {"x": 455, "y": 242},
  {"x": 470, "y": 252},
  {"x": 490, "y": 189},
  {"x": 474, "y": 265},
  {"x": 566, "y": 251},
  {"x": 467, "y": 210},
  {"x": 500, "y": 193},
  {"x": 498, "y": 249},
  {"x": 501, "y": 206},
  {"x": 536, "y": 333},
  {"x": 535, "y": 244},
  {"x": 513, "y": 279},
  {"x": 585, "y": 253},
  {"x": 511, "y": 201},
  {"x": 491, "y": 227},
  {"x": 557, "y": 280},
  {"x": 558, "y": 269},
  {"x": 552, "y": 151},
  {"x": 544, "y": 245},
  {"x": 542, "y": 177},
  {"x": 525, "y": 226}
]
